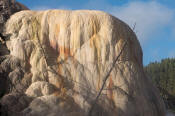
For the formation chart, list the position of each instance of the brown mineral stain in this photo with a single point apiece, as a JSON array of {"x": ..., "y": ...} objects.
[
  {"x": 94, "y": 25},
  {"x": 92, "y": 41},
  {"x": 110, "y": 88},
  {"x": 58, "y": 84},
  {"x": 94, "y": 29},
  {"x": 59, "y": 69},
  {"x": 57, "y": 30},
  {"x": 61, "y": 93},
  {"x": 56, "y": 93},
  {"x": 61, "y": 83},
  {"x": 65, "y": 52},
  {"x": 53, "y": 44},
  {"x": 96, "y": 45},
  {"x": 95, "y": 42}
]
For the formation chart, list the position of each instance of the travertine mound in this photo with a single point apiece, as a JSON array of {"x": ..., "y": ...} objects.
[{"x": 64, "y": 57}]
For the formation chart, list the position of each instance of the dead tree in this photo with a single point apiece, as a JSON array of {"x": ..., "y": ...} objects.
[{"x": 105, "y": 79}]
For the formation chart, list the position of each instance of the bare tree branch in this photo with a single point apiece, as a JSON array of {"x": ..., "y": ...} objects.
[
  {"x": 134, "y": 26},
  {"x": 105, "y": 79}
]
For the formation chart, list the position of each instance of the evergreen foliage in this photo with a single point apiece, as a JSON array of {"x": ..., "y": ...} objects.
[{"x": 163, "y": 76}]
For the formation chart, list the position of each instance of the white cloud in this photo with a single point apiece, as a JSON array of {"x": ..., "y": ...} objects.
[{"x": 150, "y": 17}]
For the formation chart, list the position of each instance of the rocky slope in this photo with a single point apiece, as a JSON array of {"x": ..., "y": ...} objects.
[
  {"x": 58, "y": 61},
  {"x": 7, "y": 66},
  {"x": 7, "y": 8}
]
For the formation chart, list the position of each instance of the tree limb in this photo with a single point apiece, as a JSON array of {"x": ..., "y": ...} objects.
[{"x": 105, "y": 79}]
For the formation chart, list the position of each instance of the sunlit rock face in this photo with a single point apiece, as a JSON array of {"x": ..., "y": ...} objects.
[{"x": 67, "y": 55}]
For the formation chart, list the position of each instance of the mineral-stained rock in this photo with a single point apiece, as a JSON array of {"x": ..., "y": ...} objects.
[{"x": 68, "y": 54}]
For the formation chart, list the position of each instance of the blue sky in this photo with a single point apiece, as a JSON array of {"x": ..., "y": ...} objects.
[{"x": 155, "y": 20}]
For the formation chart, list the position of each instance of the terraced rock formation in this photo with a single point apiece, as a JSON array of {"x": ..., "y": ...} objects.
[{"x": 58, "y": 61}]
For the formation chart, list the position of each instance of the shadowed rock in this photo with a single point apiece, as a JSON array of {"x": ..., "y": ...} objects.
[
  {"x": 11, "y": 72},
  {"x": 7, "y": 8}
]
